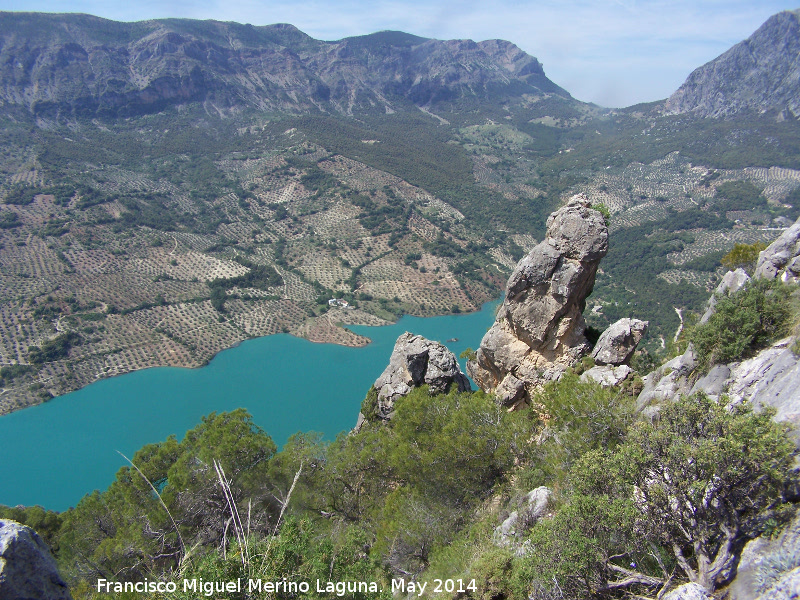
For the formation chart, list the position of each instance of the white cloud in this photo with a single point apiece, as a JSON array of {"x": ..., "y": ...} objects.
[{"x": 613, "y": 52}]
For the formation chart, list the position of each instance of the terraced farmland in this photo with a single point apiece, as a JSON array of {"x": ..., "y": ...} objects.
[
  {"x": 127, "y": 269},
  {"x": 143, "y": 245}
]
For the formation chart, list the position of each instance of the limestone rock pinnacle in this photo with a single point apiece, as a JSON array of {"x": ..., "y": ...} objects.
[
  {"x": 539, "y": 330},
  {"x": 417, "y": 361}
]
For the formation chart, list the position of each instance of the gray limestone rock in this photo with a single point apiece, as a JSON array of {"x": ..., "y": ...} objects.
[
  {"x": 765, "y": 562},
  {"x": 607, "y": 375},
  {"x": 528, "y": 510},
  {"x": 27, "y": 569},
  {"x": 689, "y": 591},
  {"x": 668, "y": 381},
  {"x": 779, "y": 259},
  {"x": 731, "y": 282},
  {"x": 417, "y": 361},
  {"x": 786, "y": 588},
  {"x": 539, "y": 330},
  {"x": 618, "y": 343},
  {"x": 510, "y": 391},
  {"x": 771, "y": 378},
  {"x": 713, "y": 384}
]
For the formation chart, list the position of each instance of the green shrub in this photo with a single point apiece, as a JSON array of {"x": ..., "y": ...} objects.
[
  {"x": 578, "y": 417},
  {"x": 369, "y": 406},
  {"x": 674, "y": 500},
  {"x": 744, "y": 322},
  {"x": 492, "y": 574},
  {"x": 743, "y": 256}
]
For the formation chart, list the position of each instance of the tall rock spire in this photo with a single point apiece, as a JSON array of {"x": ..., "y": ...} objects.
[{"x": 539, "y": 330}]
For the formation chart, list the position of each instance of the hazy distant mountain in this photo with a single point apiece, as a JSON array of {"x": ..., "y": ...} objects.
[
  {"x": 87, "y": 65},
  {"x": 760, "y": 74}
]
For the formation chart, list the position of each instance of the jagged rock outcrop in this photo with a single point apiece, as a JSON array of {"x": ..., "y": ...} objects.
[
  {"x": 527, "y": 511},
  {"x": 27, "y": 569},
  {"x": 617, "y": 344},
  {"x": 607, "y": 375},
  {"x": 539, "y": 330},
  {"x": 759, "y": 74},
  {"x": 768, "y": 567},
  {"x": 731, "y": 282},
  {"x": 668, "y": 381},
  {"x": 770, "y": 378},
  {"x": 417, "y": 361},
  {"x": 782, "y": 257},
  {"x": 689, "y": 591}
]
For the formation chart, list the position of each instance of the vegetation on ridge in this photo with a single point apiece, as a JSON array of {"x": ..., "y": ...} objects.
[
  {"x": 419, "y": 499},
  {"x": 746, "y": 321}
]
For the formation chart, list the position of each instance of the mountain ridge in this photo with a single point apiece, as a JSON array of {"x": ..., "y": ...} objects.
[
  {"x": 761, "y": 74},
  {"x": 85, "y": 65}
]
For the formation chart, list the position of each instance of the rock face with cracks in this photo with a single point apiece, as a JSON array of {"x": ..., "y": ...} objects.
[
  {"x": 618, "y": 343},
  {"x": 539, "y": 330},
  {"x": 782, "y": 257},
  {"x": 417, "y": 361},
  {"x": 731, "y": 283},
  {"x": 27, "y": 569}
]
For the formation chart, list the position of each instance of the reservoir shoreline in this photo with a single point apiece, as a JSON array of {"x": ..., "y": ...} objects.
[{"x": 58, "y": 451}]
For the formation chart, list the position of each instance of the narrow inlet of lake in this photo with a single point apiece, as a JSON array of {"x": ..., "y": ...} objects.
[{"x": 55, "y": 453}]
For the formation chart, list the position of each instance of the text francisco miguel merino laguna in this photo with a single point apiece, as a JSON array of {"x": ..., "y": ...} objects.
[{"x": 338, "y": 588}]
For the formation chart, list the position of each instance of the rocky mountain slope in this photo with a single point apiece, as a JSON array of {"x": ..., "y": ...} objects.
[
  {"x": 760, "y": 74},
  {"x": 86, "y": 65},
  {"x": 513, "y": 364},
  {"x": 770, "y": 378}
]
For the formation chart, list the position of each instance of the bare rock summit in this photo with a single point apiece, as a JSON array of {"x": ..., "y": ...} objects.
[
  {"x": 417, "y": 361},
  {"x": 760, "y": 74},
  {"x": 539, "y": 330}
]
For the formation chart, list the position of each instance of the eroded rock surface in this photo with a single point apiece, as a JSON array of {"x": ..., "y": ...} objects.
[
  {"x": 417, "y": 361},
  {"x": 668, "y": 381},
  {"x": 770, "y": 378},
  {"x": 607, "y": 375},
  {"x": 27, "y": 569},
  {"x": 618, "y": 343},
  {"x": 782, "y": 257},
  {"x": 689, "y": 591},
  {"x": 769, "y": 566},
  {"x": 527, "y": 511},
  {"x": 786, "y": 588},
  {"x": 539, "y": 330},
  {"x": 731, "y": 282}
]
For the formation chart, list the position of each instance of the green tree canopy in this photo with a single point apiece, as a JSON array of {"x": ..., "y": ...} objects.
[
  {"x": 675, "y": 501},
  {"x": 743, "y": 256}
]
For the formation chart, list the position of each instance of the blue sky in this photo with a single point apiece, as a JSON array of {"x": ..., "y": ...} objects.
[{"x": 612, "y": 52}]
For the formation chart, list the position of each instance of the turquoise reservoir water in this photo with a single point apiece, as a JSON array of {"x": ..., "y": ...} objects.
[{"x": 54, "y": 453}]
